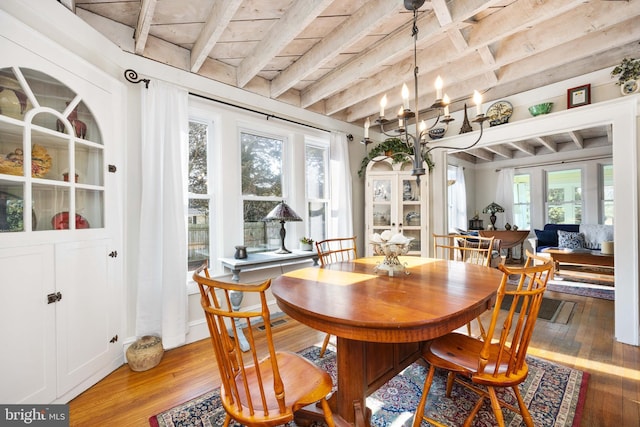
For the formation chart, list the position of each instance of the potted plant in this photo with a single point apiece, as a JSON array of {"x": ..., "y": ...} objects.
[
  {"x": 627, "y": 73},
  {"x": 306, "y": 244},
  {"x": 394, "y": 148}
]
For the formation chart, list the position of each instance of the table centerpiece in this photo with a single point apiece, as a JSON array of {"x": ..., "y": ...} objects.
[{"x": 391, "y": 247}]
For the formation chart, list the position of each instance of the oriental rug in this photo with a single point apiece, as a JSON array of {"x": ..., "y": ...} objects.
[{"x": 554, "y": 394}]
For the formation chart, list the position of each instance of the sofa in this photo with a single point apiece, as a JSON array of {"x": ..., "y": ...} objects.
[{"x": 571, "y": 236}]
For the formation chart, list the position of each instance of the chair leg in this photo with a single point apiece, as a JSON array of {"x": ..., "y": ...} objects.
[
  {"x": 474, "y": 412},
  {"x": 328, "y": 415},
  {"x": 227, "y": 421},
  {"x": 451, "y": 376},
  {"x": 324, "y": 345},
  {"x": 417, "y": 418},
  {"x": 495, "y": 405},
  {"x": 483, "y": 333},
  {"x": 524, "y": 411}
]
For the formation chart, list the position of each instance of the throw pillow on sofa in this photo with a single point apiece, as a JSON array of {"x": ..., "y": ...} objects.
[
  {"x": 570, "y": 240},
  {"x": 547, "y": 238}
]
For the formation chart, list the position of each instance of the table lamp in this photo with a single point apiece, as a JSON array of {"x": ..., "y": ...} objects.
[
  {"x": 283, "y": 213},
  {"x": 492, "y": 209}
]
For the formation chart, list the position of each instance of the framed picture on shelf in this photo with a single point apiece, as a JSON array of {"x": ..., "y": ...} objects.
[{"x": 579, "y": 96}]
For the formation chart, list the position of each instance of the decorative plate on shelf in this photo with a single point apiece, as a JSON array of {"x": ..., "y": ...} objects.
[
  {"x": 499, "y": 113},
  {"x": 60, "y": 221}
]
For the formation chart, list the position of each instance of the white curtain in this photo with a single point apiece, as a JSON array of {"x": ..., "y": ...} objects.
[
  {"x": 459, "y": 202},
  {"x": 162, "y": 295},
  {"x": 341, "y": 216},
  {"x": 504, "y": 194}
]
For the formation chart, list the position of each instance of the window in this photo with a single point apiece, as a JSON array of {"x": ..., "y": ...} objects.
[
  {"x": 200, "y": 198},
  {"x": 522, "y": 201},
  {"x": 564, "y": 197},
  {"x": 606, "y": 191},
  {"x": 262, "y": 188},
  {"x": 316, "y": 158}
]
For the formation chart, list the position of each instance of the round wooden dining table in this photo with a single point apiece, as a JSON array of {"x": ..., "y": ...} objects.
[{"x": 380, "y": 322}]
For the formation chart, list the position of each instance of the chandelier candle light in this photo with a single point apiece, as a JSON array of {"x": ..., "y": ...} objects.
[{"x": 406, "y": 116}]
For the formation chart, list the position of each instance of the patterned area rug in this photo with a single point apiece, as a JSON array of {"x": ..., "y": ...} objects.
[
  {"x": 555, "y": 395},
  {"x": 576, "y": 288}
]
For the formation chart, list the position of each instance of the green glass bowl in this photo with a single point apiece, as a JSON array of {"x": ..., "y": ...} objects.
[{"x": 543, "y": 108}]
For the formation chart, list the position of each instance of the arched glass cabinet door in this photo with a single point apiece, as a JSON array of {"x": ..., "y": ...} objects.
[{"x": 44, "y": 120}]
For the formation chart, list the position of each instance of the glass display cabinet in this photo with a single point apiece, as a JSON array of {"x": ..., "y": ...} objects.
[
  {"x": 395, "y": 202},
  {"x": 51, "y": 156}
]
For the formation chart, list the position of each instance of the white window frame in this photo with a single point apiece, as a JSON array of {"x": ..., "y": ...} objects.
[{"x": 324, "y": 145}]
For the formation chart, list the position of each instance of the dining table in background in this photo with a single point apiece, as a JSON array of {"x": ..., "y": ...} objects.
[{"x": 381, "y": 321}]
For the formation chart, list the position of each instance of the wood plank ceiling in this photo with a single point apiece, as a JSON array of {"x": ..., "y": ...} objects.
[{"x": 338, "y": 57}]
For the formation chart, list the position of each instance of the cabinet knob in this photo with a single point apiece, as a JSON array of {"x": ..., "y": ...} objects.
[{"x": 113, "y": 254}]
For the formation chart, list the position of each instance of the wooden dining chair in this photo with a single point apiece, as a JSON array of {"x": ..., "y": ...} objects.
[
  {"x": 498, "y": 360},
  {"x": 257, "y": 390},
  {"x": 335, "y": 250},
  {"x": 471, "y": 249},
  {"x": 462, "y": 247}
]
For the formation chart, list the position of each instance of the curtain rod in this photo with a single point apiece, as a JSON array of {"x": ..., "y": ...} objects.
[
  {"x": 273, "y": 116},
  {"x": 561, "y": 162}
]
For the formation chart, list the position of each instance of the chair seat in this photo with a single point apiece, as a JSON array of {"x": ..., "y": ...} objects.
[
  {"x": 305, "y": 383},
  {"x": 459, "y": 353}
]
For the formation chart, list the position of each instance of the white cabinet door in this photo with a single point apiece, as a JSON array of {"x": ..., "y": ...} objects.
[
  {"x": 396, "y": 203},
  {"x": 27, "y": 325},
  {"x": 85, "y": 320}
]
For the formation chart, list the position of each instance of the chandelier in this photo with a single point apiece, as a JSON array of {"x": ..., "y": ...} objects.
[{"x": 418, "y": 141}]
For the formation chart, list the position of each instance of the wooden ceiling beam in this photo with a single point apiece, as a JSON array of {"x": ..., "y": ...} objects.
[
  {"x": 147, "y": 8},
  {"x": 221, "y": 13},
  {"x": 523, "y": 147},
  {"x": 547, "y": 142},
  {"x": 351, "y": 30},
  {"x": 481, "y": 153},
  {"x": 436, "y": 58},
  {"x": 294, "y": 21},
  {"x": 577, "y": 139},
  {"x": 500, "y": 150},
  {"x": 386, "y": 51}
]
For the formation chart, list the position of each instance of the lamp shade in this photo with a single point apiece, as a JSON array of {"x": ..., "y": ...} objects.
[
  {"x": 282, "y": 212},
  {"x": 493, "y": 208}
]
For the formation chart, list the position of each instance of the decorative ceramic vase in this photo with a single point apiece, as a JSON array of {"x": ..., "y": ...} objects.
[
  {"x": 630, "y": 87},
  {"x": 306, "y": 246},
  {"x": 145, "y": 353},
  {"x": 241, "y": 252}
]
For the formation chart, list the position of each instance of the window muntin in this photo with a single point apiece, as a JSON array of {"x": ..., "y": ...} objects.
[{"x": 564, "y": 197}]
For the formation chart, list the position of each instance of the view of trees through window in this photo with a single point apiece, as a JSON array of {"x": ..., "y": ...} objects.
[
  {"x": 316, "y": 173},
  {"x": 199, "y": 197},
  {"x": 607, "y": 194},
  {"x": 261, "y": 167},
  {"x": 522, "y": 201},
  {"x": 564, "y": 197}
]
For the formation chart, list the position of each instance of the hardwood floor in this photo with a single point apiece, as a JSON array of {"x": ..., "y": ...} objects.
[{"x": 127, "y": 398}]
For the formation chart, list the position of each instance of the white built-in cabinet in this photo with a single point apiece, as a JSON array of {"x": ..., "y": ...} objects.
[
  {"x": 396, "y": 202},
  {"x": 60, "y": 232}
]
